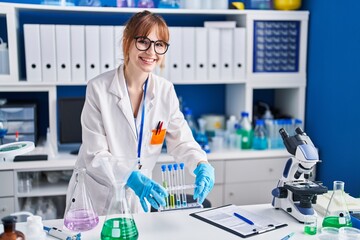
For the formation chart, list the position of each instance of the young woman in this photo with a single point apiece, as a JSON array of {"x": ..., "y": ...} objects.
[{"x": 128, "y": 112}]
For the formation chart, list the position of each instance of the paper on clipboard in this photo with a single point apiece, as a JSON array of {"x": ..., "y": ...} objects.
[{"x": 223, "y": 217}]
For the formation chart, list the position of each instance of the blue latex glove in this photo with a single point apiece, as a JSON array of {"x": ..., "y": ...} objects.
[
  {"x": 145, "y": 188},
  {"x": 204, "y": 181}
]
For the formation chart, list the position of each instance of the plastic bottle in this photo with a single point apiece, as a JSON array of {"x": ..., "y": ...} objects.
[
  {"x": 190, "y": 120},
  {"x": 230, "y": 135},
  {"x": 10, "y": 233},
  {"x": 201, "y": 137},
  {"x": 34, "y": 228},
  {"x": 337, "y": 213},
  {"x": 169, "y": 4},
  {"x": 245, "y": 131},
  {"x": 260, "y": 136},
  {"x": 4, "y": 58}
]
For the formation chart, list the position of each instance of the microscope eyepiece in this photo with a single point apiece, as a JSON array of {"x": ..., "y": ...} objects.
[
  {"x": 283, "y": 133},
  {"x": 299, "y": 131}
]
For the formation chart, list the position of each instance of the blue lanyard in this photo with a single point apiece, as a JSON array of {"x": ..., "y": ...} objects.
[{"x": 141, "y": 126}]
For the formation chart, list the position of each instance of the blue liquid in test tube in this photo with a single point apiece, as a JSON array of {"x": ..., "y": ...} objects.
[
  {"x": 177, "y": 184},
  {"x": 182, "y": 183}
]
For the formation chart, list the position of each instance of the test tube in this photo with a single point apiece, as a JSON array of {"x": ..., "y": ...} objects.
[
  {"x": 171, "y": 183},
  {"x": 182, "y": 183},
  {"x": 177, "y": 184},
  {"x": 165, "y": 183}
]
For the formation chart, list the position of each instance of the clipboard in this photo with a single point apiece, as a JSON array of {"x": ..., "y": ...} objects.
[{"x": 223, "y": 217}]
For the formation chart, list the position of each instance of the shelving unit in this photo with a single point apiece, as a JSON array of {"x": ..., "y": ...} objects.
[{"x": 289, "y": 88}]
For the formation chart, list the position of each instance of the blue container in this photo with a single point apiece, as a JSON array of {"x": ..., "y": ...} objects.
[{"x": 258, "y": 4}]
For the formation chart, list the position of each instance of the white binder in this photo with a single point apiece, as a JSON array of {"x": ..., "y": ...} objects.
[
  {"x": 48, "y": 52},
  {"x": 175, "y": 54},
  {"x": 188, "y": 50},
  {"x": 226, "y": 54},
  {"x": 239, "y": 54},
  {"x": 119, "y": 54},
  {"x": 92, "y": 51},
  {"x": 107, "y": 53},
  {"x": 63, "y": 55},
  {"x": 77, "y": 44},
  {"x": 214, "y": 53},
  {"x": 32, "y": 52},
  {"x": 164, "y": 68},
  {"x": 201, "y": 54}
]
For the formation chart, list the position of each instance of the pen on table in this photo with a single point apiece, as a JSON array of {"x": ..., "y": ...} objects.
[
  {"x": 248, "y": 221},
  {"x": 58, "y": 233},
  {"x": 288, "y": 236}
]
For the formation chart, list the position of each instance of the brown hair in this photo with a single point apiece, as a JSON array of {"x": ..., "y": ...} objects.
[{"x": 140, "y": 25}]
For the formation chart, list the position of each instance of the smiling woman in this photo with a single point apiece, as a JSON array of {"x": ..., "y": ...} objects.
[{"x": 123, "y": 107}]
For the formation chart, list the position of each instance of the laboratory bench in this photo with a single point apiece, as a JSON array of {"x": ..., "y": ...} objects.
[
  {"x": 176, "y": 225},
  {"x": 241, "y": 177}
]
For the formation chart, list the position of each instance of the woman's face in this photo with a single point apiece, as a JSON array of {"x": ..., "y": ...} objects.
[{"x": 145, "y": 61}]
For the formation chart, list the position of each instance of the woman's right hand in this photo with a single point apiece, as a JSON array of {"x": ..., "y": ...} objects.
[{"x": 145, "y": 188}]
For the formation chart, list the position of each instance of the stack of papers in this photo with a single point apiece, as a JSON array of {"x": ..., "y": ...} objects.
[{"x": 322, "y": 202}]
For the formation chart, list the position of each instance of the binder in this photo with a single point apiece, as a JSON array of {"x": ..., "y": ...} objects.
[
  {"x": 107, "y": 53},
  {"x": 226, "y": 54},
  {"x": 238, "y": 221},
  {"x": 92, "y": 51},
  {"x": 201, "y": 54},
  {"x": 77, "y": 46},
  {"x": 63, "y": 55},
  {"x": 119, "y": 54},
  {"x": 239, "y": 54},
  {"x": 214, "y": 53},
  {"x": 188, "y": 50},
  {"x": 32, "y": 52},
  {"x": 48, "y": 52},
  {"x": 175, "y": 54}
]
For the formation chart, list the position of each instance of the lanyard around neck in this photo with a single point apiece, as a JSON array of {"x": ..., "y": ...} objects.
[{"x": 141, "y": 126}]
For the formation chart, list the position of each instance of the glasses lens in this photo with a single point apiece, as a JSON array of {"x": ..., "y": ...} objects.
[
  {"x": 142, "y": 43},
  {"x": 160, "y": 47}
]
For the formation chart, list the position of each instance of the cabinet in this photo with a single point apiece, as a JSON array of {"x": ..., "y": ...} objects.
[{"x": 287, "y": 83}]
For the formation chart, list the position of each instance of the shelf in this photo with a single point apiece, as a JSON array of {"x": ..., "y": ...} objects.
[{"x": 49, "y": 189}]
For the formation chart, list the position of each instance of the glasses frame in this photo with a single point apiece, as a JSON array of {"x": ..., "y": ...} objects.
[{"x": 151, "y": 42}]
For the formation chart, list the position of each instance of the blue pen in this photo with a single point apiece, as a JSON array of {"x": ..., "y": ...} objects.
[
  {"x": 243, "y": 218},
  {"x": 288, "y": 236}
]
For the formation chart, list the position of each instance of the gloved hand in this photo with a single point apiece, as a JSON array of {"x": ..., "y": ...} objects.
[
  {"x": 145, "y": 188},
  {"x": 204, "y": 181}
]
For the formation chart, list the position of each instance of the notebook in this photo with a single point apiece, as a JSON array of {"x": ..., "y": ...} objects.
[{"x": 243, "y": 223}]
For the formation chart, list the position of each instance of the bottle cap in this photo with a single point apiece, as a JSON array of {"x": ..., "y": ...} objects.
[
  {"x": 163, "y": 168},
  {"x": 175, "y": 166},
  {"x": 170, "y": 167},
  {"x": 182, "y": 166},
  {"x": 9, "y": 220},
  {"x": 244, "y": 114}
]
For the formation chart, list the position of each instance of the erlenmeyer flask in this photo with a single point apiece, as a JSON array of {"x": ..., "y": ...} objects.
[
  {"x": 119, "y": 223},
  {"x": 80, "y": 214},
  {"x": 337, "y": 214}
]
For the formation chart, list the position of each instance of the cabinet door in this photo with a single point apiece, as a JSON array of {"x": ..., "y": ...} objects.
[
  {"x": 216, "y": 196},
  {"x": 254, "y": 170},
  {"x": 249, "y": 192},
  {"x": 6, "y": 206},
  {"x": 7, "y": 190}
]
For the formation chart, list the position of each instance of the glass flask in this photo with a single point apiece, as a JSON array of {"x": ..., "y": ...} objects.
[
  {"x": 80, "y": 214},
  {"x": 337, "y": 214},
  {"x": 119, "y": 223}
]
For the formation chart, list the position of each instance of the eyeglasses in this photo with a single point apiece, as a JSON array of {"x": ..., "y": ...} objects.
[{"x": 144, "y": 43}]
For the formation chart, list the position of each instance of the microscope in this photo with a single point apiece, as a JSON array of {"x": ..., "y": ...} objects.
[{"x": 295, "y": 193}]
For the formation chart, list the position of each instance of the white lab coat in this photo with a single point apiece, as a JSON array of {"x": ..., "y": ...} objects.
[{"x": 108, "y": 129}]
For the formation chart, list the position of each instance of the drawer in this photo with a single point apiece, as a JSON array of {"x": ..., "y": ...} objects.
[
  {"x": 216, "y": 196},
  {"x": 254, "y": 170},
  {"x": 7, "y": 186},
  {"x": 249, "y": 193},
  {"x": 7, "y": 206},
  {"x": 21, "y": 127},
  {"x": 18, "y": 113}
]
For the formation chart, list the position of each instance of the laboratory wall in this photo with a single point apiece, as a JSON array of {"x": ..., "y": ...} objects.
[{"x": 332, "y": 104}]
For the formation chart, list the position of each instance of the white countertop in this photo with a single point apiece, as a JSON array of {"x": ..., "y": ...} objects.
[
  {"x": 178, "y": 225},
  {"x": 67, "y": 161}
]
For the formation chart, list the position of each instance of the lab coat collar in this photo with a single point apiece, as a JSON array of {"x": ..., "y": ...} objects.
[{"x": 119, "y": 89}]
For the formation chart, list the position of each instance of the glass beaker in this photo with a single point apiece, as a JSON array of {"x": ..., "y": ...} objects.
[
  {"x": 119, "y": 223},
  {"x": 80, "y": 214},
  {"x": 337, "y": 213}
]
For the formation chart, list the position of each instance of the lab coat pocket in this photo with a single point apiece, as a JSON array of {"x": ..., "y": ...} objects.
[
  {"x": 99, "y": 194},
  {"x": 158, "y": 138}
]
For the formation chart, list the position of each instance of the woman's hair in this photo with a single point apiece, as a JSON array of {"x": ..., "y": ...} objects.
[{"x": 140, "y": 25}]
